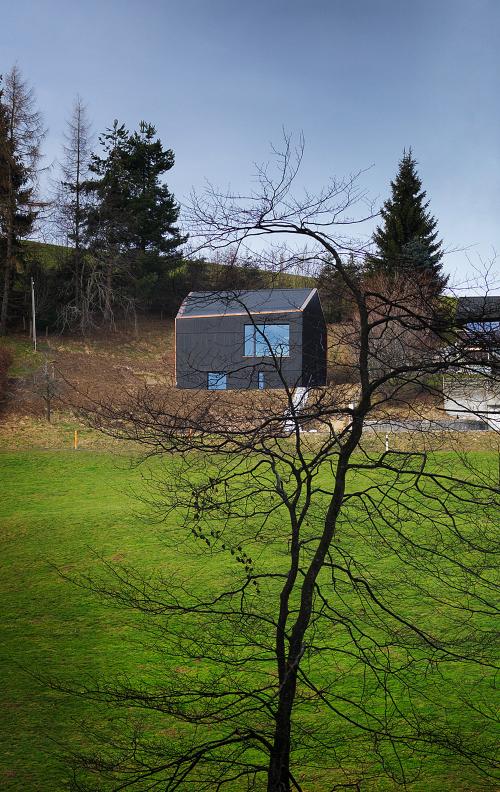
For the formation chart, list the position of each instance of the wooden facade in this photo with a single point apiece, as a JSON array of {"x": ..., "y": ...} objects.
[{"x": 251, "y": 339}]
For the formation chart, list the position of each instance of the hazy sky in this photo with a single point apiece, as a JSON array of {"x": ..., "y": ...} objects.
[{"x": 362, "y": 79}]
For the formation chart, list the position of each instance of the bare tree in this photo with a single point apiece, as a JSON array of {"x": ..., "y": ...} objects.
[
  {"x": 71, "y": 201},
  {"x": 324, "y": 663},
  {"x": 23, "y": 137},
  {"x": 47, "y": 385}
]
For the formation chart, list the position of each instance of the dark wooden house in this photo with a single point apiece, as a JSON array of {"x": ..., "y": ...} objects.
[{"x": 250, "y": 339}]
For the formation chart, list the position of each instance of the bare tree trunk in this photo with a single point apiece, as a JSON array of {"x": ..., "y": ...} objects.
[
  {"x": 7, "y": 274},
  {"x": 5, "y": 298},
  {"x": 278, "y": 779},
  {"x": 108, "y": 313},
  {"x": 77, "y": 218},
  {"x": 70, "y": 203}
]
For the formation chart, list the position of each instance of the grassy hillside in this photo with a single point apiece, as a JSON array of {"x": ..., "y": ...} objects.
[
  {"x": 106, "y": 363},
  {"x": 50, "y": 255},
  {"x": 47, "y": 255},
  {"x": 188, "y": 275}
]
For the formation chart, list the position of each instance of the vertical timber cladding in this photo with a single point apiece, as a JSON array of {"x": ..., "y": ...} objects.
[
  {"x": 210, "y": 339},
  {"x": 314, "y": 343},
  {"x": 217, "y": 344}
]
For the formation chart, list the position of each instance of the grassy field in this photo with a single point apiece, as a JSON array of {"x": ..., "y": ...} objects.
[
  {"x": 59, "y": 509},
  {"x": 67, "y": 510}
]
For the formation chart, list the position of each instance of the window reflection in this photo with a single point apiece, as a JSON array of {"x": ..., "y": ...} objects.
[{"x": 264, "y": 340}]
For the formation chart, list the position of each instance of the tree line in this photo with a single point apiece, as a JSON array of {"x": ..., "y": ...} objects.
[
  {"x": 123, "y": 249},
  {"x": 118, "y": 218}
]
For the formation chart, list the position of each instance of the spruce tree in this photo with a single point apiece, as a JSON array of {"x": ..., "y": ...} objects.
[
  {"x": 152, "y": 204},
  {"x": 131, "y": 224},
  {"x": 156, "y": 237},
  {"x": 108, "y": 227},
  {"x": 407, "y": 241}
]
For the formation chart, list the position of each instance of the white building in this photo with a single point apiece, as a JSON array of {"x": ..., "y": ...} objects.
[{"x": 472, "y": 390}]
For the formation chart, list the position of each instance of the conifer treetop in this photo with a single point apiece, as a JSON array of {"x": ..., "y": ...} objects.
[{"x": 407, "y": 240}]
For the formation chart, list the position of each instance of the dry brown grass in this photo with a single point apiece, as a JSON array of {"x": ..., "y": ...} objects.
[{"x": 116, "y": 366}]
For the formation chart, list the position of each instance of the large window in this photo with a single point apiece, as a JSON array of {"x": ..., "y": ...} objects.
[
  {"x": 267, "y": 339},
  {"x": 217, "y": 380}
]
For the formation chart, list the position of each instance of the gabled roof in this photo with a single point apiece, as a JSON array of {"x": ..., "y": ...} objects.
[
  {"x": 478, "y": 309},
  {"x": 241, "y": 302}
]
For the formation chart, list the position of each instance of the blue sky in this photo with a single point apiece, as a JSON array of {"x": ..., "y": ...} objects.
[{"x": 362, "y": 79}]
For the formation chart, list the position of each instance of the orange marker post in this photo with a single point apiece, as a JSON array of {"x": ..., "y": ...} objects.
[{"x": 75, "y": 440}]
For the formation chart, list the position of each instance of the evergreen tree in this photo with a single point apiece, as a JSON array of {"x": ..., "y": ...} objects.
[
  {"x": 152, "y": 205},
  {"x": 109, "y": 222},
  {"x": 156, "y": 237},
  {"x": 131, "y": 225},
  {"x": 109, "y": 226},
  {"x": 336, "y": 298},
  {"x": 407, "y": 242}
]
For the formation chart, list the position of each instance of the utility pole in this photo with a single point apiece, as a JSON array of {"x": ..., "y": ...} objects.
[{"x": 33, "y": 313}]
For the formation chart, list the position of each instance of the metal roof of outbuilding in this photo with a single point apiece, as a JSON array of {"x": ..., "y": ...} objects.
[{"x": 231, "y": 303}]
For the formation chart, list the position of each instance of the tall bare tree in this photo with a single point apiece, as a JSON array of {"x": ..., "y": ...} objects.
[
  {"x": 23, "y": 137},
  {"x": 71, "y": 201},
  {"x": 346, "y": 639}
]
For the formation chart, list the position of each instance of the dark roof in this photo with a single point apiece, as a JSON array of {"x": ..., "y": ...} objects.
[
  {"x": 478, "y": 309},
  {"x": 224, "y": 303}
]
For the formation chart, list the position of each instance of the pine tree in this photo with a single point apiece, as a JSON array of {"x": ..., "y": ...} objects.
[
  {"x": 131, "y": 226},
  {"x": 109, "y": 220},
  {"x": 153, "y": 206},
  {"x": 336, "y": 298},
  {"x": 407, "y": 242},
  {"x": 108, "y": 224},
  {"x": 156, "y": 237}
]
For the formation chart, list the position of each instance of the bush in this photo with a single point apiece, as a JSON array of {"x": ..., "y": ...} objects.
[{"x": 5, "y": 361}]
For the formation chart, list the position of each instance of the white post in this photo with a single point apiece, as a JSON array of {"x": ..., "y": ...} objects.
[
  {"x": 33, "y": 313},
  {"x": 386, "y": 441}
]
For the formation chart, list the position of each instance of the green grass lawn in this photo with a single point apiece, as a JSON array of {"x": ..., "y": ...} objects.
[
  {"x": 68, "y": 510},
  {"x": 61, "y": 509}
]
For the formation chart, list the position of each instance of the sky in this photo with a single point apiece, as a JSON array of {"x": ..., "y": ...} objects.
[{"x": 220, "y": 79}]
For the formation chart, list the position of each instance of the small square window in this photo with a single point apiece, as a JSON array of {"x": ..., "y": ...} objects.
[{"x": 217, "y": 380}]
